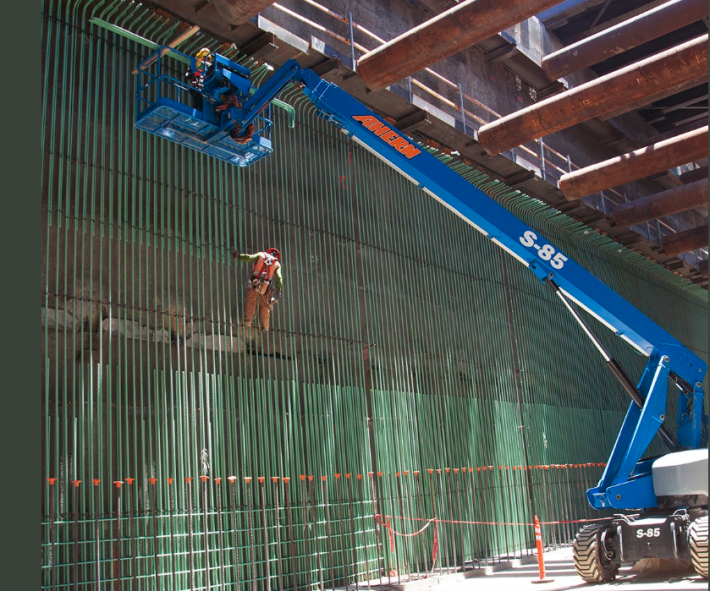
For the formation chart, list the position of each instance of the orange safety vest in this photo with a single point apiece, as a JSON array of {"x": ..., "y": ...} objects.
[{"x": 265, "y": 261}]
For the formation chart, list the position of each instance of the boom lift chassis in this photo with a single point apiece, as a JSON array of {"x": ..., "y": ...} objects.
[{"x": 670, "y": 492}]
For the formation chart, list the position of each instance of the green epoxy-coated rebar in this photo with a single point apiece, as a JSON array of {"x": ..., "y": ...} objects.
[{"x": 404, "y": 342}]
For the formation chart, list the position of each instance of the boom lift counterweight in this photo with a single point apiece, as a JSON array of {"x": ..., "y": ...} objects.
[{"x": 671, "y": 491}]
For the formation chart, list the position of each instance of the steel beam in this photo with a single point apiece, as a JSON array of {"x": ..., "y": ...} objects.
[
  {"x": 444, "y": 35},
  {"x": 662, "y": 204},
  {"x": 633, "y": 32},
  {"x": 685, "y": 241},
  {"x": 237, "y": 12},
  {"x": 635, "y": 165},
  {"x": 646, "y": 78}
]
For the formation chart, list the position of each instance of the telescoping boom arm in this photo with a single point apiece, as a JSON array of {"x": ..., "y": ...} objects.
[{"x": 626, "y": 482}]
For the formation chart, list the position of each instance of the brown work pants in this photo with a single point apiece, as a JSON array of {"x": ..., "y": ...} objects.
[{"x": 250, "y": 308}]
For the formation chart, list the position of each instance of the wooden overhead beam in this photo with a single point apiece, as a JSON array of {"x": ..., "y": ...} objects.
[
  {"x": 614, "y": 21},
  {"x": 630, "y": 33},
  {"x": 647, "y": 100},
  {"x": 448, "y": 33},
  {"x": 661, "y": 204},
  {"x": 635, "y": 165},
  {"x": 678, "y": 65},
  {"x": 238, "y": 12},
  {"x": 685, "y": 241}
]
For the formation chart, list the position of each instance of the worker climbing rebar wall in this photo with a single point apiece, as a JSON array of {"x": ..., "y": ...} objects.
[{"x": 411, "y": 372}]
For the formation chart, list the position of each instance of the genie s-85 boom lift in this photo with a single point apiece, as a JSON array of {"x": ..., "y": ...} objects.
[{"x": 667, "y": 496}]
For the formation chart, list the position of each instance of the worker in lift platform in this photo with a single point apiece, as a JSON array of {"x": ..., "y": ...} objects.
[
  {"x": 196, "y": 78},
  {"x": 264, "y": 285},
  {"x": 204, "y": 66}
]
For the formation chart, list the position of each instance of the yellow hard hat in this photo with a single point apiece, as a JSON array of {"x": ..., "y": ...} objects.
[{"x": 203, "y": 55}]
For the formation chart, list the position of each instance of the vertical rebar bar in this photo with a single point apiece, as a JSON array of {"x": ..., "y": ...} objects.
[
  {"x": 277, "y": 533},
  {"x": 75, "y": 529},
  {"x": 118, "y": 534},
  {"x": 291, "y": 539},
  {"x": 190, "y": 534},
  {"x": 459, "y": 518},
  {"x": 379, "y": 545},
  {"x": 236, "y": 559},
  {"x": 220, "y": 529},
  {"x": 418, "y": 493},
  {"x": 413, "y": 558},
  {"x": 449, "y": 485},
  {"x": 353, "y": 541},
  {"x": 205, "y": 532},
  {"x": 264, "y": 533},
  {"x": 132, "y": 526},
  {"x": 364, "y": 529},
  {"x": 328, "y": 530},
  {"x": 97, "y": 534},
  {"x": 306, "y": 526},
  {"x": 171, "y": 525},
  {"x": 434, "y": 514},
  {"x": 250, "y": 524},
  {"x": 316, "y": 537},
  {"x": 52, "y": 537},
  {"x": 401, "y": 513}
]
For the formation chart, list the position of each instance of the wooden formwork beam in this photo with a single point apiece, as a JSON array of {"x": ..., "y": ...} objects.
[
  {"x": 444, "y": 35},
  {"x": 661, "y": 204},
  {"x": 630, "y": 33},
  {"x": 668, "y": 69},
  {"x": 635, "y": 165}
]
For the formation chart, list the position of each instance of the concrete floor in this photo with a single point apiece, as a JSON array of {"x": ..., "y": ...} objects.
[{"x": 560, "y": 568}]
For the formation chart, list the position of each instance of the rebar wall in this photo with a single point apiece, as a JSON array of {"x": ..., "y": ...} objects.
[{"x": 413, "y": 369}]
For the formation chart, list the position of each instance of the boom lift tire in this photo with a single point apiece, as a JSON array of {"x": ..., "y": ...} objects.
[
  {"x": 594, "y": 554},
  {"x": 698, "y": 542}
]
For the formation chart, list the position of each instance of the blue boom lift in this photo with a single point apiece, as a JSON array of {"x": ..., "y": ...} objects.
[{"x": 670, "y": 493}]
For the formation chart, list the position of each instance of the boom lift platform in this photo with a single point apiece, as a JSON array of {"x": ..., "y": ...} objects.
[
  {"x": 170, "y": 107},
  {"x": 670, "y": 493}
]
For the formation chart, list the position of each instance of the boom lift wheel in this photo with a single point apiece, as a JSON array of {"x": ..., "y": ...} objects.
[
  {"x": 698, "y": 542},
  {"x": 594, "y": 554}
]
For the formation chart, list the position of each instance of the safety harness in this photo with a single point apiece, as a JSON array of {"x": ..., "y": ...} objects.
[{"x": 263, "y": 273}]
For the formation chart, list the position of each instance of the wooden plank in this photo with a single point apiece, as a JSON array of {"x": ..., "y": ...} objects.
[{"x": 173, "y": 43}]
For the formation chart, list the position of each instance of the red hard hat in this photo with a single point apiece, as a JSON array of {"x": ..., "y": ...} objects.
[{"x": 274, "y": 253}]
